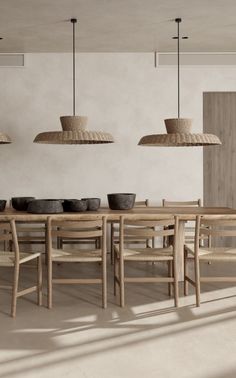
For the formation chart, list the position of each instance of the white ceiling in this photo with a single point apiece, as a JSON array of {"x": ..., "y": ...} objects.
[{"x": 117, "y": 25}]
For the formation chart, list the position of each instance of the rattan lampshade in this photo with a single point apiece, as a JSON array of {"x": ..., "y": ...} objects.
[
  {"x": 179, "y": 135},
  {"x": 4, "y": 139},
  {"x": 73, "y": 127},
  {"x": 73, "y": 132}
]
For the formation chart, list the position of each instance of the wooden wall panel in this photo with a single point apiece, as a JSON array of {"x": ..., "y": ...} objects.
[{"x": 219, "y": 162}]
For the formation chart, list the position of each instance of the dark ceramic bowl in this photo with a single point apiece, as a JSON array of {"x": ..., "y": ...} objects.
[
  {"x": 75, "y": 205},
  {"x": 53, "y": 199},
  {"x": 21, "y": 203},
  {"x": 121, "y": 201},
  {"x": 2, "y": 205},
  {"x": 45, "y": 207},
  {"x": 93, "y": 203}
]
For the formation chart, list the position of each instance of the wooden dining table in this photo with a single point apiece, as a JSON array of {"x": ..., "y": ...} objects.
[{"x": 185, "y": 214}]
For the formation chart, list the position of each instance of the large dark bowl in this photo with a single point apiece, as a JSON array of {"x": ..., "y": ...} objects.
[
  {"x": 75, "y": 205},
  {"x": 93, "y": 203},
  {"x": 45, "y": 207},
  {"x": 21, "y": 203},
  {"x": 121, "y": 201},
  {"x": 2, "y": 205}
]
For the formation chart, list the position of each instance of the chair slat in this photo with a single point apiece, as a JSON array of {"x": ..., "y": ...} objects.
[
  {"x": 149, "y": 223},
  {"x": 148, "y": 233},
  {"x": 214, "y": 232},
  {"x": 76, "y": 234},
  {"x": 78, "y": 224},
  {"x": 181, "y": 203},
  {"x": 221, "y": 222},
  {"x": 5, "y": 226},
  {"x": 5, "y": 237}
]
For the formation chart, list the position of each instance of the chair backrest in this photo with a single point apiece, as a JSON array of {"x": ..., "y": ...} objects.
[
  {"x": 214, "y": 227},
  {"x": 196, "y": 203},
  {"x": 142, "y": 203},
  {"x": 8, "y": 234},
  {"x": 76, "y": 227},
  {"x": 147, "y": 227}
]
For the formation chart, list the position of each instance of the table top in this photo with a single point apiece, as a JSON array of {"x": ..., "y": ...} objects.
[{"x": 185, "y": 213}]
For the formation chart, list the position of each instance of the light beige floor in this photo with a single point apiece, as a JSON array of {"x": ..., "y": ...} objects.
[{"x": 148, "y": 338}]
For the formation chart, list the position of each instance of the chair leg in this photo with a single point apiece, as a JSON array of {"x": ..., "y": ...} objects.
[
  {"x": 170, "y": 274},
  {"x": 185, "y": 272},
  {"x": 197, "y": 281},
  {"x": 49, "y": 283},
  {"x": 116, "y": 274},
  {"x": 176, "y": 284},
  {"x": 112, "y": 253},
  {"x": 112, "y": 244},
  {"x": 97, "y": 243},
  {"x": 15, "y": 290},
  {"x": 39, "y": 282},
  {"x": 122, "y": 283},
  {"x": 104, "y": 283}
]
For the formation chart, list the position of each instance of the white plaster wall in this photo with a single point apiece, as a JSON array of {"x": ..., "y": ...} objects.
[{"x": 120, "y": 93}]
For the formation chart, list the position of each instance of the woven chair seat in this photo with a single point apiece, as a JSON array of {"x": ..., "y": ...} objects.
[
  {"x": 213, "y": 253},
  {"x": 147, "y": 254},
  {"x": 70, "y": 255},
  {"x": 8, "y": 258}
]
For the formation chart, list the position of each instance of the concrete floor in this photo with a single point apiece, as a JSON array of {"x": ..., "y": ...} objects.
[{"x": 77, "y": 338}]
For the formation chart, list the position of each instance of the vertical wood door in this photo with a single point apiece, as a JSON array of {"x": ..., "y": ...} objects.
[{"x": 219, "y": 162}]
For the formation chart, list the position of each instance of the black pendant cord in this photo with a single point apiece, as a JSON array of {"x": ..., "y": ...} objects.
[
  {"x": 178, "y": 20},
  {"x": 74, "y": 20}
]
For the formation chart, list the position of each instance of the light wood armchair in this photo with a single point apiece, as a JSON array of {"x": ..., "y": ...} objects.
[
  {"x": 30, "y": 234},
  {"x": 215, "y": 227},
  {"x": 145, "y": 227},
  {"x": 75, "y": 228},
  {"x": 16, "y": 259},
  {"x": 131, "y": 239},
  {"x": 189, "y": 231}
]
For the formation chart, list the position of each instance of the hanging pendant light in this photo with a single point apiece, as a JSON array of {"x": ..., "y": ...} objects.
[
  {"x": 74, "y": 127},
  {"x": 5, "y": 139},
  {"x": 179, "y": 129}
]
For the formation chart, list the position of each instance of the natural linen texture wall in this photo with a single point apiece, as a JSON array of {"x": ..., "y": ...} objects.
[{"x": 120, "y": 93}]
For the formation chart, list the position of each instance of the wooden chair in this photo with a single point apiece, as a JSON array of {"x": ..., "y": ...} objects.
[
  {"x": 130, "y": 240},
  {"x": 77, "y": 227},
  {"x": 216, "y": 227},
  {"x": 145, "y": 227},
  {"x": 95, "y": 242},
  {"x": 189, "y": 231},
  {"x": 15, "y": 259},
  {"x": 31, "y": 233}
]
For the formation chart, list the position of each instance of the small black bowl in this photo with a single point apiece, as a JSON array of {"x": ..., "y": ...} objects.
[
  {"x": 121, "y": 201},
  {"x": 2, "y": 205},
  {"x": 21, "y": 203},
  {"x": 93, "y": 203},
  {"x": 75, "y": 205}
]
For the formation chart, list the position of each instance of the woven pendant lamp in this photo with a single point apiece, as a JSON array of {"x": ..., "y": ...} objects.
[
  {"x": 179, "y": 129},
  {"x": 4, "y": 139},
  {"x": 74, "y": 127}
]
